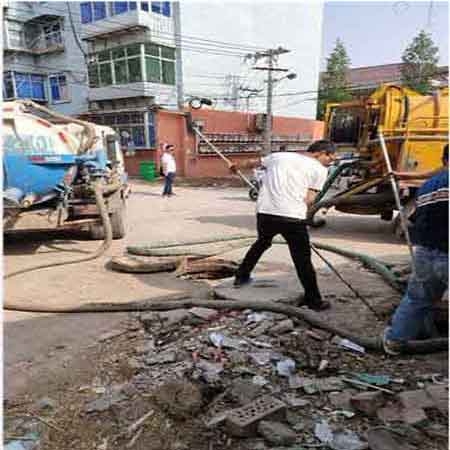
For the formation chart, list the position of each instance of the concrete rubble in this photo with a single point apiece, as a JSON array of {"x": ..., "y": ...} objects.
[{"x": 255, "y": 378}]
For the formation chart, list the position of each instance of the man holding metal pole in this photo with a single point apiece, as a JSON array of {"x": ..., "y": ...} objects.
[
  {"x": 290, "y": 183},
  {"x": 429, "y": 279}
]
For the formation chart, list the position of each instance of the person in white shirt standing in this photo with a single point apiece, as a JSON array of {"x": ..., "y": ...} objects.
[
  {"x": 169, "y": 169},
  {"x": 290, "y": 183}
]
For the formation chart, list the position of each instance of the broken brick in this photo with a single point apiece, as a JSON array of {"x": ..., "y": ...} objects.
[
  {"x": 414, "y": 416},
  {"x": 244, "y": 421},
  {"x": 415, "y": 399},
  {"x": 439, "y": 396},
  {"x": 368, "y": 402}
]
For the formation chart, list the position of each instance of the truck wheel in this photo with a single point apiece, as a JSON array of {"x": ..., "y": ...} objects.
[
  {"x": 118, "y": 222},
  {"x": 253, "y": 194},
  {"x": 118, "y": 226}
]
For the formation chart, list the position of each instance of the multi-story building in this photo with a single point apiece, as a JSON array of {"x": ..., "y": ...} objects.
[
  {"x": 111, "y": 61},
  {"x": 41, "y": 58},
  {"x": 132, "y": 65}
]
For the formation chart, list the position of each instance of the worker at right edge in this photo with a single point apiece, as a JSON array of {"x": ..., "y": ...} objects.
[{"x": 413, "y": 318}]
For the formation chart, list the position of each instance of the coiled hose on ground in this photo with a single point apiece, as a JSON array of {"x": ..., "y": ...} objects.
[{"x": 164, "y": 303}]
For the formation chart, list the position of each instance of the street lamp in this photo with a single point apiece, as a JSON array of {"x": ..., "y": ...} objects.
[{"x": 268, "y": 128}]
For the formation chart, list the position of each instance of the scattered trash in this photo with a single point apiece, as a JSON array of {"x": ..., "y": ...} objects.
[
  {"x": 346, "y": 440},
  {"x": 295, "y": 402},
  {"x": 259, "y": 380},
  {"x": 348, "y": 344},
  {"x": 221, "y": 341},
  {"x": 286, "y": 367},
  {"x": 314, "y": 385},
  {"x": 29, "y": 442},
  {"x": 256, "y": 318},
  {"x": 344, "y": 413},
  {"x": 261, "y": 358},
  {"x": 377, "y": 380},
  {"x": 323, "y": 365},
  {"x": 210, "y": 371},
  {"x": 323, "y": 432},
  {"x": 366, "y": 385}
]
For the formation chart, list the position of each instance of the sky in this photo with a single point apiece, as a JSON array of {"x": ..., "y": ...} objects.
[
  {"x": 378, "y": 32},
  {"x": 294, "y": 25}
]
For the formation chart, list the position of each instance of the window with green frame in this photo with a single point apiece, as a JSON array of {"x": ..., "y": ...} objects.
[
  {"x": 122, "y": 65},
  {"x": 159, "y": 63}
]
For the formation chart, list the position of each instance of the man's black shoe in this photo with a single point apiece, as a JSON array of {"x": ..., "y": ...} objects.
[
  {"x": 242, "y": 281},
  {"x": 318, "y": 306}
]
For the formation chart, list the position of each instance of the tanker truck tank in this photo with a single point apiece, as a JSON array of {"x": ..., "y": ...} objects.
[{"x": 51, "y": 164}]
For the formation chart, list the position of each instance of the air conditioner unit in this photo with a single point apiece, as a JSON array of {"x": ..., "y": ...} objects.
[
  {"x": 260, "y": 122},
  {"x": 94, "y": 106}
]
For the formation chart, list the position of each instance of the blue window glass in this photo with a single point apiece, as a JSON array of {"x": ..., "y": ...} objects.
[
  {"x": 54, "y": 88},
  {"x": 151, "y": 130},
  {"x": 156, "y": 7},
  {"x": 138, "y": 136},
  {"x": 120, "y": 7},
  {"x": 99, "y": 10},
  {"x": 144, "y": 6},
  {"x": 23, "y": 85},
  {"x": 166, "y": 9},
  {"x": 133, "y": 6},
  {"x": 37, "y": 87},
  {"x": 86, "y": 12}
]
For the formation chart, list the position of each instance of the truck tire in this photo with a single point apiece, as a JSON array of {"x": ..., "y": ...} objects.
[{"x": 118, "y": 225}]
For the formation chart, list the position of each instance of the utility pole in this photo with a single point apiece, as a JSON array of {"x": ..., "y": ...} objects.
[
  {"x": 251, "y": 92},
  {"x": 271, "y": 56},
  {"x": 232, "y": 82},
  {"x": 178, "y": 55}
]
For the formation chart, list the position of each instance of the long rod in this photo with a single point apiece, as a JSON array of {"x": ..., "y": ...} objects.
[
  {"x": 396, "y": 193},
  {"x": 228, "y": 161},
  {"x": 357, "y": 294},
  {"x": 268, "y": 127}
]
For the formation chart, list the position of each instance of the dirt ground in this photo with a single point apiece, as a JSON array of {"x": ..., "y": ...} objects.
[{"x": 57, "y": 355}]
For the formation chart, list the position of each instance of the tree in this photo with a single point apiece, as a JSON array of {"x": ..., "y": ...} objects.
[
  {"x": 333, "y": 83},
  {"x": 420, "y": 63}
]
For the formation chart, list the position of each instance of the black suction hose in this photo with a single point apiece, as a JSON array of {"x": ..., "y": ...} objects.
[{"x": 98, "y": 192}]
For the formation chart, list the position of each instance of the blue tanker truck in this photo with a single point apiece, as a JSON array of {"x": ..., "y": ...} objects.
[{"x": 61, "y": 172}]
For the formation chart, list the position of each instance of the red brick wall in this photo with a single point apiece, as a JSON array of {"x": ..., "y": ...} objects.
[
  {"x": 237, "y": 122},
  {"x": 171, "y": 128}
]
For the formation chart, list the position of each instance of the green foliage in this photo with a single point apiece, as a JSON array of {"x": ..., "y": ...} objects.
[
  {"x": 420, "y": 60},
  {"x": 333, "y": 83}
]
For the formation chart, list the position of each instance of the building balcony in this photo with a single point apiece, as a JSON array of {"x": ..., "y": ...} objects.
[
  {"x": 39, "y": 36},
  {"x": 162, "y": 94},
  {"x": 134, "y": 20}
]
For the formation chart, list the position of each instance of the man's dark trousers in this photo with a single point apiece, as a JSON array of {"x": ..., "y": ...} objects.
[{"x": 295, "y": 232}]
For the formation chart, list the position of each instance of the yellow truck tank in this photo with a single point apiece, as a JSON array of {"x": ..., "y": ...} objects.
[{"x": 415, "y": 128}]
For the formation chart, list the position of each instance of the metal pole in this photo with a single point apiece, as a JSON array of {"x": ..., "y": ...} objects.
[
  {"x": 178, "y": 55},
  {"x": 268, "y": 127},
  {"x": 396, "y": 193},
  {"x": 228, "y": 161},
  {"x": 357, "y": 294}
]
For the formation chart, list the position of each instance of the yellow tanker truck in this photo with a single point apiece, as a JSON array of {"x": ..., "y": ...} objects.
[{"x": 415, "y": 130}]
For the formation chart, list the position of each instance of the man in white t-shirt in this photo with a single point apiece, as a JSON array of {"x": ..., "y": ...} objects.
[
  {"x": 290, "y": 183},
  {"x": 169, "y": 168}
]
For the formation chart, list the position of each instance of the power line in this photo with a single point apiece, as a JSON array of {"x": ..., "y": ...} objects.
[
  {"x": 189, "y": 39},
  {"x": 216, "y": 98}
]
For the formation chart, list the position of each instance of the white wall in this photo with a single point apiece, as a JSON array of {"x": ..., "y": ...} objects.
[{"x": 296, "y": 26}]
